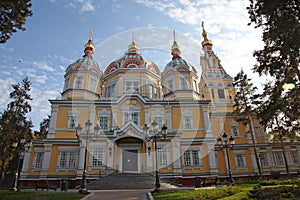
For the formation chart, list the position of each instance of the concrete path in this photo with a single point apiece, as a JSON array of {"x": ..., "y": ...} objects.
[{"x": 140, "y": 194}]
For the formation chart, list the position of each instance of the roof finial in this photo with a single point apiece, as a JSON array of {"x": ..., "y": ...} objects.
[
  {"x": 132, "y": 37},
  {"x": 174, "y": 35},
  {"x": 90, "y": 44},
  {"x": 91, "y": 33},
  {"x": 133, "y": 48},
  {"x": 204, "y": 34},
  {"x": 175, "y": 50}
]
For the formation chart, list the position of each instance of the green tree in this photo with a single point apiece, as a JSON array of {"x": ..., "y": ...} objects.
[
  {"x": 44, "y": 128},
  {"x": 279, "y": 59},
  {"x": 13, "y": 16},
  {"x": 244, "y": 107},
  {"x": 14, "y": 123},
  {"x": 280, "y": 22}
]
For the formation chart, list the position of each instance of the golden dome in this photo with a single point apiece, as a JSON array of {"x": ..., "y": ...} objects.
[
  {"x": 89, "y": 44},
  {"x": 204, "y": 34},
  {"x": 175, "y": 50},
  {"x": 133, "y": 48}
]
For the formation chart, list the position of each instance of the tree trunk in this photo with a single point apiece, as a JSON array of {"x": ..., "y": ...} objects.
[
  {"x": 254, "y": 146},
  {"x": 2, "y": 174},
  {"x": 284, "y": 158}
]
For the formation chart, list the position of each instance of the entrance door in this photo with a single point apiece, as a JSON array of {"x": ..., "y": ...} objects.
[{"x": 130, "y": 160}]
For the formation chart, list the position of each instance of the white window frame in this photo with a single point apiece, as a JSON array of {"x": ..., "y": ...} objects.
[
  {"x": 278, "y": 158},
  {"x": 110, "y": 90},
  {"x": 170, "y": 86},
  {"x": 187, "y": 118},
  {"x": 162, "y": 157},
  {"x": 257, "y": 131},
  {"x": 72, "y": 119},
  {"x": 132, "y": 86},
  {"x": 92, "y": 84},
  {"x": 221, "y": 94},
  {"x": 263, "y": 159},
  {"x": 240, "y": 160},
  {"x": 183, "y": 83},
  {"x": 67, "y": 83},
  {"x": 69, "y": 161},
  {"x": 78, "y": 82},
  {"x": 38, "y": 160},
  {"x": 97, "y": 157},
  {"x": 131, "y": 113},
  {"x": 234, "y": 129},
  {"x": 187, "y": 159},
  {"x": 294, "y": 157}
]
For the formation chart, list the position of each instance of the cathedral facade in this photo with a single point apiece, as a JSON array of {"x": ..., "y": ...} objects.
[{"x": 132, "y": 117}]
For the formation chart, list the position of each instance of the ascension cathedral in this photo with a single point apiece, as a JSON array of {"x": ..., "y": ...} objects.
[{"x": 132, "y": 117}]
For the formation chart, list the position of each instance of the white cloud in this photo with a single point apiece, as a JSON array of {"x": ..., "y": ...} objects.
[
  {"x": 82, "y": 5},
  {"x": 43, "y": 66},
  {"x": 226, "y": 24},
  {"x": 5, "y": 88}
]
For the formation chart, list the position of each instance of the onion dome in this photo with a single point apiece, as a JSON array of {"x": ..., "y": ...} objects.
[
  {"x": 132, "y": 59},
  {"x": 204, "y": 34},
  {"x": 83, "y": 77},
  {"x": 86, "y": 63},
  {"x": 177, "y": 61}
]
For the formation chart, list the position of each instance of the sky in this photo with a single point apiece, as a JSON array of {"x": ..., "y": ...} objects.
[{"x": 57, "y": 31}]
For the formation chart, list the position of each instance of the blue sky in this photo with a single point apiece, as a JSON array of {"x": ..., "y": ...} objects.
[{"x": 58, "y": 30}]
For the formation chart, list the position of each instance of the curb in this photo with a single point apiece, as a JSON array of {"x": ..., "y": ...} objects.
[
  {"x": 149, "y": 196},
  {"x": 87, "y": 196}
]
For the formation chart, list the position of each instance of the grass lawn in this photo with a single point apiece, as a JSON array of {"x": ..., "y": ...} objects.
[
  {"x": 5, "y": 194},
  {"x": 235, "y": 193},
  {"x": 287, "y": 189}
]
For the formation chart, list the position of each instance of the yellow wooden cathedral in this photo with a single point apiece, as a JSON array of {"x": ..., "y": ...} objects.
[{"x": 105, "y": 122}]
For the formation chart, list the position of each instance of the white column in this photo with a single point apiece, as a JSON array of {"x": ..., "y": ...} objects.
[
  {"x": 81, "y": 157},
  {"x": 149, "y": 155},
  {"x": 169, "y": 118},
  {"x": 52, "y": 123},
  {"x": 176, "y": 156},
  {"x": 207, "y": 124},
  {"x": 92, "y": 115},
  {"x": 25, "y": 166},
  {"x": 114, "y": 117},
  {"x": 110, "y": 157},
  {"x": 46, "y": 160},
  {"x": 212, "y": 157},
  {"x": 147, "y": 115}
]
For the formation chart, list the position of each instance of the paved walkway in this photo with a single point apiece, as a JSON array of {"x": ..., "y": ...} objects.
[
  {"x": 130, "y": 194},
  {"x": 140, "y": 194}
]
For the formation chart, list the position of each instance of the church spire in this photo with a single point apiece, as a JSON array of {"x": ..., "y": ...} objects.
[
  {"x": 89, "y": 46},
  {"x": 175, "y": 50},
  {"x": 206, "y": 41},
  {"x": 133, "y": 48}
]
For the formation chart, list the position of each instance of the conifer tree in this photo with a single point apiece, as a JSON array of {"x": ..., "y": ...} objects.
[
  {"x": 279, "y": 111},
  {"x": 14, "y": 123},
  {"x": 244, "y": 108},
  {"x": 280, "y": 22}
]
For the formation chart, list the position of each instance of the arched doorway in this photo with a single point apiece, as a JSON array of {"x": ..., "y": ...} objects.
[{"x": 131, "y": 154}]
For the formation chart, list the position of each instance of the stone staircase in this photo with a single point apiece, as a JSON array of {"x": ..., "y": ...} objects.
[{"x": 119, "y": 181}]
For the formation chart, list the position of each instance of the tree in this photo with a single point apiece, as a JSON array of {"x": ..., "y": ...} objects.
[
  {"x": 280, "y": 22},
  {"x": 13, "y": 16},
  {"x": 14, "y": 123},
  {"x": 244, "y": 109},
  {"x": 44, "y": 128}
]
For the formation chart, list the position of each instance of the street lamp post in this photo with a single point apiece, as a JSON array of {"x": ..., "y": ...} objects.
[
  {"x": 157, "y": 135},
  {"x": 226, "y": 143},
  {"x": 22, "y": 147},
  {"x": 88, "y": 124}
]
